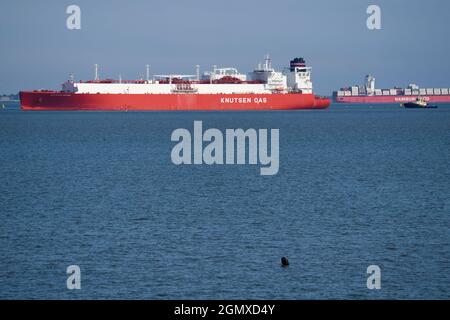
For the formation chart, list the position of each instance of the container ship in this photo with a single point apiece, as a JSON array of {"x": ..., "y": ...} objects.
[
  {"x": 218, "y": 89},
  {"x": 368, "y": 94}
]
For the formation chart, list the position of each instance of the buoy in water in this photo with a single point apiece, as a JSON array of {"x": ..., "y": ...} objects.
[{"x": 284, "y": 261}]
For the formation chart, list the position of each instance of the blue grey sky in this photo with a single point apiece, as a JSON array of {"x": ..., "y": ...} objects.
[{"x": 38, "y": 51}]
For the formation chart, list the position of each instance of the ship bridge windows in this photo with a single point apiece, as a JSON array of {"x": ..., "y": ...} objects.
[{"x": 226, "y": 71}]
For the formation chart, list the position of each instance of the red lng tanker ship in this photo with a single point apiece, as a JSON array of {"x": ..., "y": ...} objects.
[
  {"x": 368, "y": 94},
  {"x": 219, "y": 89}
]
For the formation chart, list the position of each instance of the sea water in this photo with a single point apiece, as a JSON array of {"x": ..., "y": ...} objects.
[{"x": 356, "y": 186}]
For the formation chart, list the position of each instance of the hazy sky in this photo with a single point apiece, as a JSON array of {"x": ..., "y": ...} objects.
[{"x": 38, "y": 51}]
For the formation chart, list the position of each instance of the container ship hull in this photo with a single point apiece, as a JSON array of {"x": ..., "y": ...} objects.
[
  {"x": 391, "y": 99},
  {"x": 161, "y": 102}
]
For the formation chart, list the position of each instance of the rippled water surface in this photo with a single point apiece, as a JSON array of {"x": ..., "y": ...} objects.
[{"x": 357, "y": 186}]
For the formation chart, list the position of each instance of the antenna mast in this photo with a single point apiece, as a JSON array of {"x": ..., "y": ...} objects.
[
  {"x": 268, "y": 63},
  {"x": 197, "y": 72},
  {"x": 96, "y": 72}
]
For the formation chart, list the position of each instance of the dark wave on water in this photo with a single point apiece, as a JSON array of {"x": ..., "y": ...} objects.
[{"x": 357, "y": 186}]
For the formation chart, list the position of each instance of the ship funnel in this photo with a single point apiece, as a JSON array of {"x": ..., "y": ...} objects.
[{"x": 297, "y": 63}]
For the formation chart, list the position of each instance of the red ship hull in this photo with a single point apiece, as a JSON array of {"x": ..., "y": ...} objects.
[
  {"x": 391, "y": 99},
  {"x": 53, "y": 100}
]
